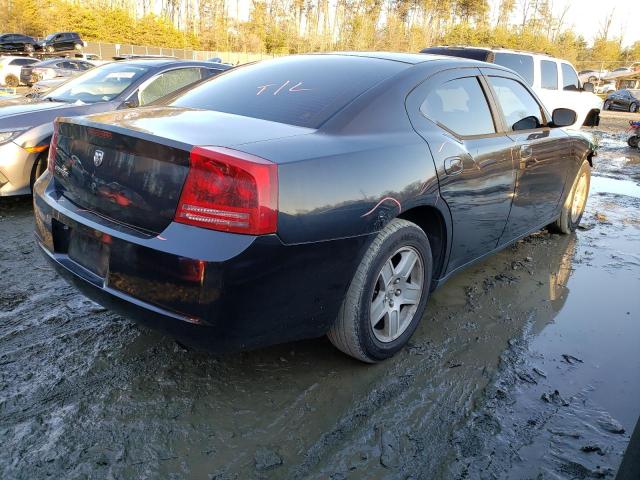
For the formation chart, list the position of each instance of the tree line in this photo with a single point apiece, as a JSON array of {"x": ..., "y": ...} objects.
[{"x": 298, "y": 26}]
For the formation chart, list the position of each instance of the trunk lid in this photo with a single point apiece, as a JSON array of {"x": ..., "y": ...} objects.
[{"x": 132, "y": 169}]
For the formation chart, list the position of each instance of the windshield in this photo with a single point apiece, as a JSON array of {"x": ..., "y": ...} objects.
[
  {"x": 299, "y": 90},
  {"x": 100, "y": 84}
]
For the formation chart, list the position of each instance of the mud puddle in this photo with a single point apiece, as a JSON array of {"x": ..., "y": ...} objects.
[{"x": 86, "y": 394}]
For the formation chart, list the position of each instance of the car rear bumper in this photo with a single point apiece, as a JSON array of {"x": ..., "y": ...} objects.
[
  {"x": 218, "y": 290},
  {"x": 15, "y": 170}
]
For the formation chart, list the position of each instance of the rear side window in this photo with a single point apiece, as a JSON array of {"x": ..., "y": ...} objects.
[
  {"x": 549, "y": 73},
  {"x": 304, "y": 90},
  {"x": 168, "y": 82},
  {"x": 569, "y": 78},
  {"x": 520, "y": 109},
  {"x": 461, "y": 106},
  {"x": 522, "y": 64}
]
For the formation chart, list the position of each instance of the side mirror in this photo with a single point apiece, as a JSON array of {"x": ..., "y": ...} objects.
[
  {"x": 526, "y": 123},
  {"x": 131, "y": 103},
  {"x": 563, "y": 117},
  {"x": 588, "y": 87}
]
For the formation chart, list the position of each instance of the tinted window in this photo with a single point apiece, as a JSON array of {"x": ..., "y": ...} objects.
[
  {"x": 460, "y": 105},
  {"x": 168, "y": 82},
  {"x": 22, "y": 61},
  {"x": 522, "y": 64},
  {"x": 549, "y": 72},
  {"x": 68, "y": 65},
  {"x": 520, "y": 109},
  {"x": 301, "y": 90},
  {"x": 569, "y": 78}
]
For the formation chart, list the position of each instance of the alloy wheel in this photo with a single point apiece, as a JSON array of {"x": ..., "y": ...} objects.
[{"x": 396, "y": 294}]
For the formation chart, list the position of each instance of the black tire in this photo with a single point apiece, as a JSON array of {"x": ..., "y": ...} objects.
[
  {"x": 607, "y": 105},
  {"x": 39, "y": 167},
  {"x": 632, "y": 141},
  {"x": 633, "y": 108},
  {"x": 568, "y": 222},
  {"x": 12, "y": 81},
  {"x": 352, "y": 331}
]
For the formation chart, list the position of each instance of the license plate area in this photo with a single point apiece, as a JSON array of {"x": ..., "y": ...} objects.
[{"x": 90, "y": 252}]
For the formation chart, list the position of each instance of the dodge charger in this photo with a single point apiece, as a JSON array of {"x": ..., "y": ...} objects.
[{"x": 305, "y": 196}]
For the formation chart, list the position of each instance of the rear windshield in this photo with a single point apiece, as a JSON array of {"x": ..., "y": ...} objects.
[
  {"x": 522, "y": 64},
  {"x": 303, "y": 91}
]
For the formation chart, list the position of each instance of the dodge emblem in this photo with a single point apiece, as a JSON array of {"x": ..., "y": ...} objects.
[{"x": 97, "y": 157}]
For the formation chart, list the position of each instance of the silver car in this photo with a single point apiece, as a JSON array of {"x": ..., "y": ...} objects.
[{"x": 26, "y": 124}]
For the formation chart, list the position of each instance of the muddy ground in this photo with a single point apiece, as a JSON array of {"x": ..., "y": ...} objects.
[{"x": 525, "y": 366}]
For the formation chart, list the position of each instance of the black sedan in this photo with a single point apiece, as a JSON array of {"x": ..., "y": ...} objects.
[
  {"x": 306, "y": 195},
  {"x": 17, "y": 43},
  {"x": 626, "y": 100},
  {"x": 26, "y": 124}
]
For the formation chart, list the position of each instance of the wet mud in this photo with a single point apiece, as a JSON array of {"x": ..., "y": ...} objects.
[{"x": 524, "y": 366}]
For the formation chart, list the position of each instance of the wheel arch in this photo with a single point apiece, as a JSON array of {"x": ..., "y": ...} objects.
[{"x": 431, "y": 220}]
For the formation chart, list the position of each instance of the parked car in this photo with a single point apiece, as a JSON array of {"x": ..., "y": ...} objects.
[
  {"x": 619, "y": 72},
  {"x": 591, "y": 76},
  {"x": 306, "y": 195},
  {"x": 10, "y": 68},
  {"x": 61, "y": 42},
  {"x": 606, "y": 88},
  {"x": 43, "y": 87},
  {"x": 17, "y": 43},
  {"x": 53, "y": 68},
  {"x": 555, "y": 81},
  {"x": 627, "y": 100},
  {"x": 26, "y": 124}
]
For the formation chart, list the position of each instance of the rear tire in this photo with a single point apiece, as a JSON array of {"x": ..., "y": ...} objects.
[
  {"x": 396, "y": 268},
  {"x": 632, "y": 141},
  {"x": 575, "y": 202}
]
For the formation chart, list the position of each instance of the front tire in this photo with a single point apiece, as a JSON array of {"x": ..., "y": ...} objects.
[
  {"x": 387, "y": 296},
  {"x": 607, "y": 105},
  {"x": 39, "y": 167},
  {"x": 632, "y": 141},
  {"x": 633, "y": 108},
  {"x": 575, "y": 202},
  {"x": 11, "y": 81}
]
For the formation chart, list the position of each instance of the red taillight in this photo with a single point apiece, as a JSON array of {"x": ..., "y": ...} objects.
[
  {"x": 51, "y": 159},
  {"x": 230, "y": 191}
]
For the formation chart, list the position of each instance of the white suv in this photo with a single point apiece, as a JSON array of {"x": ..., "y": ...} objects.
[
  {"x": 554, "y": 81},
  {"x": 10, "y": 69}
]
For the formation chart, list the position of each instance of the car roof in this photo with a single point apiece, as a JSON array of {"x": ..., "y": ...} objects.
[
  {"x": 409, "y": 58},
  {"x": 163, "y": 62}
]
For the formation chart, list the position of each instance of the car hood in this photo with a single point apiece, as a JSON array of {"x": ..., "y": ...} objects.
[
  {"x": 25, "y": 112},
  {"x": 187, "y": 126}
]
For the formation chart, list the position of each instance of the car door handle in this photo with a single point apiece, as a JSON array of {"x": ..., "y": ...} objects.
[{"x": 453, "y": 165}]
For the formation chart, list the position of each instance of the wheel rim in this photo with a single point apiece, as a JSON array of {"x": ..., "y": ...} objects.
[
  {"x": 634, "y": 108},
  {"x": 396, "y": 294},
  {"x": 579, "y": 198},
  {"x": 606, "y": 105}
]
